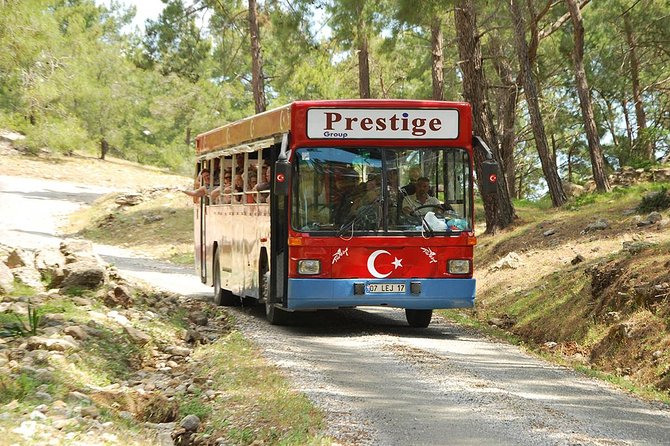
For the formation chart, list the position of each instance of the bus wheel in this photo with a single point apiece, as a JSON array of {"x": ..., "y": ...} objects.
[
  {"x": 418, "y": 318},
  {"x": 277, "y": 316},
  {"x": 274, "y": 314},
  {"x": 221, "y": 296}
]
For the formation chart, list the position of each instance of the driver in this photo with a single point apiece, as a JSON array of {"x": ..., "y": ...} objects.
[{"x": 412, "y": 203}]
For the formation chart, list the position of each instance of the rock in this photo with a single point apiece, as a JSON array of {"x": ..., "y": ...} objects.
[
  {"x": 549, "y": 232},
  {"x": 43, "y": 396},
  {"x": 636, "y": 247},
  {"x": 51, "y": 344},
  {"x": 550, "y": 345},
  {"x": 654, "y": 217},
  {"x": 165, "y": 439},
  {"x": 129, "y": 199},
  {"x": 76, "y": 332},
  {"x": 139, "y": 337},
  {"x": 119, "y": 296},
  {"x": 27, "y": 429},
  {"x": 37, "y": 415},
  {"x": 18, "y": 258},
  {"x": 6, "y": 279},
  {"x": 118, "y": 318},
  {"x": 198, "y": 318},
  {"x": 598, "y": 225},
  {"x": 504, "y": 321},
  {"x": 178, "y": 351},
  {"x": 81, "y": 301},
  {"x": 52, "y": 320},
  {"x": 28, "y": 275},
  {"x": 83, "y": 274},
  {"x": 510, "y": 261},
  {"x": 90, "y": 412},
  {"x": 573, "y": 190},
  {"x": 190, "y": 423},
  {"x": 578, "y": 259},
  {"x": 47, "y": 260},
  {"x": 192, "y": 336},
  {"x": 75, "y": 250}
]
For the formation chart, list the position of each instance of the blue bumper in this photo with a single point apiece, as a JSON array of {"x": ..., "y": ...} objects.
[{"x": 315, "y": 294}]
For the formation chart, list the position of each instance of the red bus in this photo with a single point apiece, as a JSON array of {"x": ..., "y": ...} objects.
[{"x": 340, "y": 203}]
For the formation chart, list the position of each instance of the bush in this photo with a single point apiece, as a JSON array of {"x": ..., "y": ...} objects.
[
  {"x": 655, "y": 201},
  {"x": 64, "y": 136}
]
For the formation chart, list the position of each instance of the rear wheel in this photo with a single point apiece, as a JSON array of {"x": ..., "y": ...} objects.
[
  {"x": 418, "y": 318},
  {"x": 221, "y": 296}
]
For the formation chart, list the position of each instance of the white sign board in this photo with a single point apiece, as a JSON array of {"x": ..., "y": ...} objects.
[{"x": 382, "y": 123}]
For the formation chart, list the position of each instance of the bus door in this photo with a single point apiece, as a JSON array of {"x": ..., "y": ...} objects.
[
  {"x": 279, "y": 221},
  {"x": 202, "y": 240}
]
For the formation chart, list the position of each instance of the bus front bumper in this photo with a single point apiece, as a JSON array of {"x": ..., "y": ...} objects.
[{"x": 315, "y": 294}]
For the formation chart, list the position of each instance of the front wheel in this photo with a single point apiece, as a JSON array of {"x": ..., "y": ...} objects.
[
  {"x": 221, "y": 296},
  {"x": 274, "y": 314},
  {"x": 277, "y": 316},
  {"x": 418, "y": 318}
]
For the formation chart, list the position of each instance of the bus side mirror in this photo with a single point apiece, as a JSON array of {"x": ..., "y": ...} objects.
[
  {"x": 490, "y": 174},
  {"x": 282, "y": 178}
]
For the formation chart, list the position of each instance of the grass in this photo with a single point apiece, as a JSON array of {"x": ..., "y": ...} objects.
[
  {"x": 161, "y": 226},
  {"x": 257, "y": 404}
]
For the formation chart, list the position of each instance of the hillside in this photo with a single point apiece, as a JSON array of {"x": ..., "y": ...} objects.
[{"x": 586, "y": 285}]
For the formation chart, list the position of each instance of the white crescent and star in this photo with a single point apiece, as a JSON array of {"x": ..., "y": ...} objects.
[{"x": 397, "y": 263}]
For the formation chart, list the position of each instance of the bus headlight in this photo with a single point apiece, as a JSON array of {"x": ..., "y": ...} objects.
[
  {"x": 309, "y": 267},
  {"x": 458, "y": 266}
]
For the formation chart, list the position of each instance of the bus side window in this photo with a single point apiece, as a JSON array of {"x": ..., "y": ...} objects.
[
  {"x": 254, "y": 161},
  {"x": 227, "y": 188},
  {"x": 238, "y": 178}
]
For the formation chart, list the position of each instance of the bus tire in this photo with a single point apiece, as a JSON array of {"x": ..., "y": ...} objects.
[
  {"x": 221, "y": 296},
  {"x": 418, "y": 318},
  {"x": 276, "y": 315}
]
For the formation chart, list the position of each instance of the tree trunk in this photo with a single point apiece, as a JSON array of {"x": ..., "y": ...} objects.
[
  {"x": 530, "y": 90},
  {"x": 104, "y": 148},
  {"x": 363, "y": 62},
  {"x": 437, "y": 42},
  {"x": 646, "y": 147},
  {"x": 499, "y": 210},
  {"x": 596, "y": 152},
  {"x": 507, "y": 100},
  {"x": 257, "y": 81}
]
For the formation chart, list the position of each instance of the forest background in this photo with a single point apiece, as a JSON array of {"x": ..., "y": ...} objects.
[{"x": 562, "y": 90}]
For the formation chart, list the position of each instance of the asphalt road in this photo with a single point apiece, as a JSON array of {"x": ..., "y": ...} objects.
[{"x": 379, "y": 381}]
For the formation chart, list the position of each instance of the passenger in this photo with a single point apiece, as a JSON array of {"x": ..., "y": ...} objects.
[
  {"x": 420, "y": 198},
  {"x": 345, "y": 195},
  {"x": 265, "y": 185},
  {"x": 216, "y": 193},
  {"x": 394, "y": 197},
  {"x": 414, "y": 174},
  {"x": 201, "y": 186},
  {"x": 251, "y": 186},
  {"x": 238, "y": 187}
]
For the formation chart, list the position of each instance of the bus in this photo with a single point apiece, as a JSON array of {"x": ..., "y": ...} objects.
[{"x": 341, "y": 203}]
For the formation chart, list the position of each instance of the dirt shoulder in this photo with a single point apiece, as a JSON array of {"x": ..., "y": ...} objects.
[{"x": 112, "y": 172}]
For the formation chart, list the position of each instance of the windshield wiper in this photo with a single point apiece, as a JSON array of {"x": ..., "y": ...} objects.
[{"x": 360, "y": 214}]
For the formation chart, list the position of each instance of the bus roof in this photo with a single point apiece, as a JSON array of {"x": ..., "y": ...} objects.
[{"x": 293, "y": 118}]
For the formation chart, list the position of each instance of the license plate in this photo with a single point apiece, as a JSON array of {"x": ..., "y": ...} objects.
[{"x": 386, "y": 288}]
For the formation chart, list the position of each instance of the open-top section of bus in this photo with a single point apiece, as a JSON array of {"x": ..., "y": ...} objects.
[{"x": 367, "y": 203}]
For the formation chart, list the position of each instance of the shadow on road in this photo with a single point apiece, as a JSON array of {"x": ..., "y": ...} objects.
[
  {"x": 54, "y": 195},
  {"x": 356, "y": 322}
]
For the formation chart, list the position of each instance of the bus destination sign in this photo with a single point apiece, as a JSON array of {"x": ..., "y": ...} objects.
[{"x": 382, "y": 123}]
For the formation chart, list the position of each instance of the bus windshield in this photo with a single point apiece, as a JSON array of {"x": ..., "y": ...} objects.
[{"x": 388, "y": 190}]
